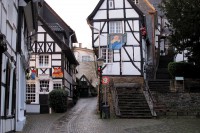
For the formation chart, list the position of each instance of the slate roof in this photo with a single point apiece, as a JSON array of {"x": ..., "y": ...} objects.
[
  {"x": 50, "y": 16},
  {"x": 51, "y": 29},
  {"x": 147, "y": 6},
  {"x": 156, "y": 3}
]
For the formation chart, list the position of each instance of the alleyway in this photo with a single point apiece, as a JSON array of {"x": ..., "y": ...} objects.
[{"x": 83, "y": 119}]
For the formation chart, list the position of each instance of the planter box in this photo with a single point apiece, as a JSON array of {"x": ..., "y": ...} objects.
[{"x": 33, "y": 108}]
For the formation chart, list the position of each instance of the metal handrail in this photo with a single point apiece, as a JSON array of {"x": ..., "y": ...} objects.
[
  {"x": 150, "y": 99},
  {"x": 157, "y": 60},
  {"x": 117, "y": 111}
]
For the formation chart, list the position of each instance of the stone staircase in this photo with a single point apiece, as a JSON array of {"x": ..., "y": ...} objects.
[
  {"x": 132, "y": 104},
  {"x": 159, "y": 85},
  {"x": 162, "y": 70}
]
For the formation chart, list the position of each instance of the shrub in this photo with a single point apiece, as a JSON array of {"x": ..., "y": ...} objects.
[
  {"x": 58, "y": 100},
  {"x": 184, "y": 69}
]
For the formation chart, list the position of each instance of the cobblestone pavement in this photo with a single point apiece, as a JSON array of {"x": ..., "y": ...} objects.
[{"x": 83, "y": 118}]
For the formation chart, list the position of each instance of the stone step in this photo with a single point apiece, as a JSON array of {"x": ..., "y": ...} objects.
[
  {"x": 163, "y": 76},
  {"x": 159, "y": 83},
  {"x": 130, "y": 99},
  {"x": 129, "y": 95},
  {"x": 134, "y": 110},
  {"x": 135, "y": 116},
  {"x": 134, "y": 107},
  {"x": 144, "y": 113},
  {"x": 132, "y": 103}
]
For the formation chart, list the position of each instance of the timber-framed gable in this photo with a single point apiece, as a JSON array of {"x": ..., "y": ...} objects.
[{"x": 112, "y": 19}]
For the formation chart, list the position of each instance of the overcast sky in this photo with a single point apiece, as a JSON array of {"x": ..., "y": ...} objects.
[{"x": 75, "y": 13}]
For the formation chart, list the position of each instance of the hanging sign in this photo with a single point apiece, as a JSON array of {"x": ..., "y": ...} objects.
[{"x": 105, "y": 80}]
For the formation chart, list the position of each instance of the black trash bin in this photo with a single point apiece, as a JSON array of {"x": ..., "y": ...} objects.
[{"x": 106, "y": 111}]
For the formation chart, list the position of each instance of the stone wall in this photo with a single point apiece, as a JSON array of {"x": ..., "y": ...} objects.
[
  {"x": 138, "y": 79},
  {"x": 179, "y": 103}
]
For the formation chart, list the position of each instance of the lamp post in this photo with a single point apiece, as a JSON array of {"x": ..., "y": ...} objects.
[{"x": 100, "y": 62}]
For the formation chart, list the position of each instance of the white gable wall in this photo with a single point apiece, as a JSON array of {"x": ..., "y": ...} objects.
[
  {"x": 131, "y": 13},
  {"x": 104, "y": 5},
  {"x": 101, "y": 14},
  {"x": 116, "y": 14},
  {"x": 127, "y": 4},
  {"x": 122, "y": 62}
]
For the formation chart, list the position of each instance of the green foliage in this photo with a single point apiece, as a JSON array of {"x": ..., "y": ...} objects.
[
  {"x": 184, "y": 69},
  {"x": 184, "y": 20},
  {"x": 58, "y": 100}
]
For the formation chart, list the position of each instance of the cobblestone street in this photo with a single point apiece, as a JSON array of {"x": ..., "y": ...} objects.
[{"x": 83, "y": 118}]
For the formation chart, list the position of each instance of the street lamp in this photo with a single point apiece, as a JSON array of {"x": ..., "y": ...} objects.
[{"x": 100, "y": 62}]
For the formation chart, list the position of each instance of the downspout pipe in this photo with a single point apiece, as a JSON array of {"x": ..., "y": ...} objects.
[
  {"x": 18, "y": 52},
  {"x": 19, "y": 30},
  {"x": 152, "y": 12}
]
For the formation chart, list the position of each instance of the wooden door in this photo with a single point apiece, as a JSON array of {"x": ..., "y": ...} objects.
[{"x": 44, "y": 104}]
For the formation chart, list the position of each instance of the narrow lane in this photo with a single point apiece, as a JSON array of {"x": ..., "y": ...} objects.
[
  {"x": 82, "y": 118},
  {"x": 69, "y": 122}
]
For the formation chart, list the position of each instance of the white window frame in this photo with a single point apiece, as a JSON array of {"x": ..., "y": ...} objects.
[
  {"x": 44, "y": 83},
  {"x": 57, "y": 87},
  {"x": 45, "y": 61},
  {"x": 115, "y": 27},
  {"x": 107, "y": 54},
  {"x": 31, "y": 92}
]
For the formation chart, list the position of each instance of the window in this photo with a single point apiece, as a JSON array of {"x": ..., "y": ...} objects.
[
  {"x": 136, "y": 1},
  {"x": 44, "y": 85},
  {"x": 116, "y": 27},
  {"x": 7, "y": 89},
  {"x": 107, "y": 54},
  {"x": 111, "y": 4},
  {"x": 30, "y": 92},
  {"x": 57, "y": 86},
  {"x": 85, "y": 58},
  {"x": 43, "y": 60},
  {"x": 68, "y": 67}
]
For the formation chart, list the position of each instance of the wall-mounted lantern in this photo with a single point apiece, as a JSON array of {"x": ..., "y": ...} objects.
[{"x": 3, "y": 45}]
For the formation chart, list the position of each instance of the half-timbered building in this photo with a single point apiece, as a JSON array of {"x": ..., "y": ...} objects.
[
  {"x": 17, "y": 26},
  {"x": 119, "y": 36},
  {"x": 87, "y": 70},
  {"x": 116, "y": 35},
  {"x": 52, "y": 63}
]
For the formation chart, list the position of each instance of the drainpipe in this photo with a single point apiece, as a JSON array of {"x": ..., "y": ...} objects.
[
  {"x": 18, "y": 51},
  {"x": 70, "y": 40},
  {"x": 152, "y": 12}
]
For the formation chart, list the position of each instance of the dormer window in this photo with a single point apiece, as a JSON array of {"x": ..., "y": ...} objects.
[
  {"x": 111, "y": 4},
  {"x": 136, "y": 1}
]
